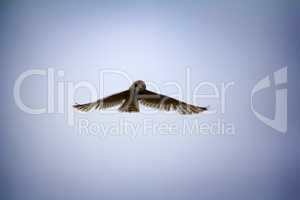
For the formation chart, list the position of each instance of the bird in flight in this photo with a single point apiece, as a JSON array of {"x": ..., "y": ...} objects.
[{"x": 137, "y": 93}]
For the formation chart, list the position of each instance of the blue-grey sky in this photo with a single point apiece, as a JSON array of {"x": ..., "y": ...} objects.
[{"x": 43, "y": 157}]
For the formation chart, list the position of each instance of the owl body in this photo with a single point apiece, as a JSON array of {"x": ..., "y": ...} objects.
[{"x": 130, "y": 104}]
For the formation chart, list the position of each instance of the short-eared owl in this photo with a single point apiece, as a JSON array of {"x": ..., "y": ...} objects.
[{"x": 137, "y": 93}]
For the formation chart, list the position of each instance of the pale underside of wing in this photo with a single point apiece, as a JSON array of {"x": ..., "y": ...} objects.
[
  {"x": 107, "y": 102},
  {"x": 162, "y": 102}
]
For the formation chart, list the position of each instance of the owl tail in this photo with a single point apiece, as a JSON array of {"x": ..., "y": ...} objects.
[{"x": 129, "y": 107}]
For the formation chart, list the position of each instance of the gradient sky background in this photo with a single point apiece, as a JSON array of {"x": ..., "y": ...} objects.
[{"x": 42, "y": 157}]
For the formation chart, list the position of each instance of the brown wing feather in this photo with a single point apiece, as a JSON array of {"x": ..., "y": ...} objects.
[
  {"x": 106, "y": 102},
  {"x": 159, "y": 101}
]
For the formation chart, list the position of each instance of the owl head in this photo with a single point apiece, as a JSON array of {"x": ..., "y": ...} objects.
[{"x": 139, "y": 85}]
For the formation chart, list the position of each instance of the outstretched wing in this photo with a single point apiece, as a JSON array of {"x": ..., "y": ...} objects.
[
  {"x": 159, "y": 101},
  {"x": 106, "y": 102}
]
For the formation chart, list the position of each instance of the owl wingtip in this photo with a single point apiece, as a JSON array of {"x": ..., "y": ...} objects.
[
  {"x": 204, "y": 108},
  {"x": 75, "y": 105}
]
